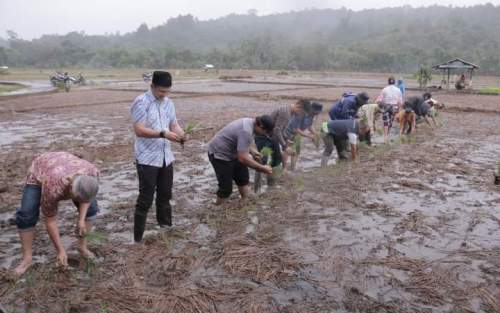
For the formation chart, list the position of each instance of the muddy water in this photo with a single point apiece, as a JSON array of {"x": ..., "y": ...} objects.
[
  {"x": 44, "y": 130},
  {"x": 365, "y": 234}
]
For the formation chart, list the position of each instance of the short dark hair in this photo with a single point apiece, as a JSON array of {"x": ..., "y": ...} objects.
[
  {"x": 305, "y": 105},
  {"x": 427, "y": 96},
  {"x": 391, "y": 80},
  {"x": 265, "y": 122},
  {"x": 162, "y": 79}
]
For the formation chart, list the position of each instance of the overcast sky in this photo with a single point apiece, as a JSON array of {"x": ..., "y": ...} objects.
[{"x": 32, "y": 18}]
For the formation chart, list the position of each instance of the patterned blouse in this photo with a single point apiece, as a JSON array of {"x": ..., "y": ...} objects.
[{"x": 54, "y": 172}]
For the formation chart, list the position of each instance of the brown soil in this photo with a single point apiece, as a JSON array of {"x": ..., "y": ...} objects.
[{"x": 412, "y": 227}]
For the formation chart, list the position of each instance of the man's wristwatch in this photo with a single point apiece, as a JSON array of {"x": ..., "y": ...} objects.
[{"x": 162, "y": 134}]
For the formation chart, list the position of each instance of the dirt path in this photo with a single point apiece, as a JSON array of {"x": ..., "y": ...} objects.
[{"x": 413, "y": 227}]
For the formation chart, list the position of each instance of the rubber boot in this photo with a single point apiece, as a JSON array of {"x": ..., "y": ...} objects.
[
  {"x": 271, "y": 181},
  {"x": 257, "y": 182},
  {"x": 139, "y": 226}
]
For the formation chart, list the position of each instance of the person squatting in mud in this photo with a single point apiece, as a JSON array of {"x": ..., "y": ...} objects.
[
  {"x": 407, "y": 121},
  {"x": 54, "y": 177},
  {"x": 230, "y": 154},
  {"x": 341, "y": 133},
  {"x": 390, "y": 100},
  {"x": 424, "y": 108},
  {"x": 155, "y": 126}
]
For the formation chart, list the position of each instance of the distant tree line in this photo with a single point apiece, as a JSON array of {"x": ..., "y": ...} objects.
[{"x": 393, "y": 40}]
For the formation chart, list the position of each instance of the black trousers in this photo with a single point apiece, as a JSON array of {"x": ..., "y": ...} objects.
[
  {"x": 226, "y": 172},
  {"x": 153, "y": 179}
]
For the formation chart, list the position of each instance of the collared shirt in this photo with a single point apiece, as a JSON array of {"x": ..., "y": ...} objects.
[
  {"x": 54, "y": 172},
  {"x": 157, "y": 115},
  {"x": 390, "y": 95}
]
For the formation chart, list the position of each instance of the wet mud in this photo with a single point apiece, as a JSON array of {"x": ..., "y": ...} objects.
[{"x": 413, "y": 226}]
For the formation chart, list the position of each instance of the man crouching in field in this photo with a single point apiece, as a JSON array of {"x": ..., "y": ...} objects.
[
  {"x": 340, "y": 133},
  {"x": 53, "y": 177},
  {"x": 231, "y": 154}
]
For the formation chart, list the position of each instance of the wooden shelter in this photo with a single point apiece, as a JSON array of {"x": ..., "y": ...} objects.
[{"x": 457, "y": 66}]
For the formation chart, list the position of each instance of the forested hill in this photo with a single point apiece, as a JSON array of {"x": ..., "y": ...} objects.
[{"x": 392, "y": 39}]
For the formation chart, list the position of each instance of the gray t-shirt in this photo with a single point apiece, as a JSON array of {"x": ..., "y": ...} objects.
[
  {"x": 347, "y": 129},
  {"x": 235, "y": 137}
]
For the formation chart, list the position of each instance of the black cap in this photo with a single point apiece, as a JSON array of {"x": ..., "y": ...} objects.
[
  {"x": 363, "y": 97},
  {"x": 265, "y": 122},
  {"x": 316, "y": 107},
  {"x": 162, "y": 79}
]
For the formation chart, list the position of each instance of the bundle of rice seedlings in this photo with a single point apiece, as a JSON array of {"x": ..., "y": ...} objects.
[{"x": 267, "y": 152}]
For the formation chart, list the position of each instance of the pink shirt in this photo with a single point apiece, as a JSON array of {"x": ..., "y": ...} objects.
[
  {"x": 390, "y": 95},
  {"x": 54, "y": 172}
]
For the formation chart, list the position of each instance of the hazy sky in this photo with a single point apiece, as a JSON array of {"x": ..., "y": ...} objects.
[{"x": 32, "y": 18}]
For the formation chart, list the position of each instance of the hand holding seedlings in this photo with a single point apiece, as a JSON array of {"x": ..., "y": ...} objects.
[
  {"x": 190, "y": 129},
  {"x": 171, "y": 136}
]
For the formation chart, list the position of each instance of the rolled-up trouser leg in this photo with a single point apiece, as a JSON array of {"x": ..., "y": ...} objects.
[
  {"x": 147, "y": 185},
  {"x": 28, "y": 214},
  {"x": 257, "y": 183}
]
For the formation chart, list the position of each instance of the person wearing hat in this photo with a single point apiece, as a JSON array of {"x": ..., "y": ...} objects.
[
  {"x": 340, "y": 133},
  {"x": 230, "y": 154},
  {"x": 306, "y": 130},
  {"x": 156, "y": 127},
  {"x": 422, "y": 108},
  {"x": 406, "y": 119},
  {"x": 390, "y": 100},
  {"x": 347, "y": 107}
]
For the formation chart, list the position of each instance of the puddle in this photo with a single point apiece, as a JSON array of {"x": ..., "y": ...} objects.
[{"x": 41, "y": 130}]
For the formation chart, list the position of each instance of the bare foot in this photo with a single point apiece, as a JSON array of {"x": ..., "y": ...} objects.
[
  {"x": 86, "y": 253},
  {"x": 22, "y": 267}
]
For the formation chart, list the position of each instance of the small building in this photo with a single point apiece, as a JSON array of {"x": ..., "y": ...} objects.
[{"x": 459, "y": 67}]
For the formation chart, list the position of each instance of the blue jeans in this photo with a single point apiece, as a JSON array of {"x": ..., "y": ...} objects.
[{"x": 28, "y": 214}]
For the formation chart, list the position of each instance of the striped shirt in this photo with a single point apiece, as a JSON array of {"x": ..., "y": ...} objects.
[
  {"x": 281, "y": 116},
  {"x": 157, "y": 115}
]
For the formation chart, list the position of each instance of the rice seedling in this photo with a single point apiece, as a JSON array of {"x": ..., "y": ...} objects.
[
  {"x": 95, "y": 237},
  {"x": 267, "y": 153},
  {"x": 190, "y": 128}
]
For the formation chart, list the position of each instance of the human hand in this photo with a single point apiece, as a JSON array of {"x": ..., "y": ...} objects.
[
  {"x": 81, "y": 230},
  {"x": 266, "y": 169},
  {"x": 172, "y": 136},
  {"x": 62, "y": 259}
]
